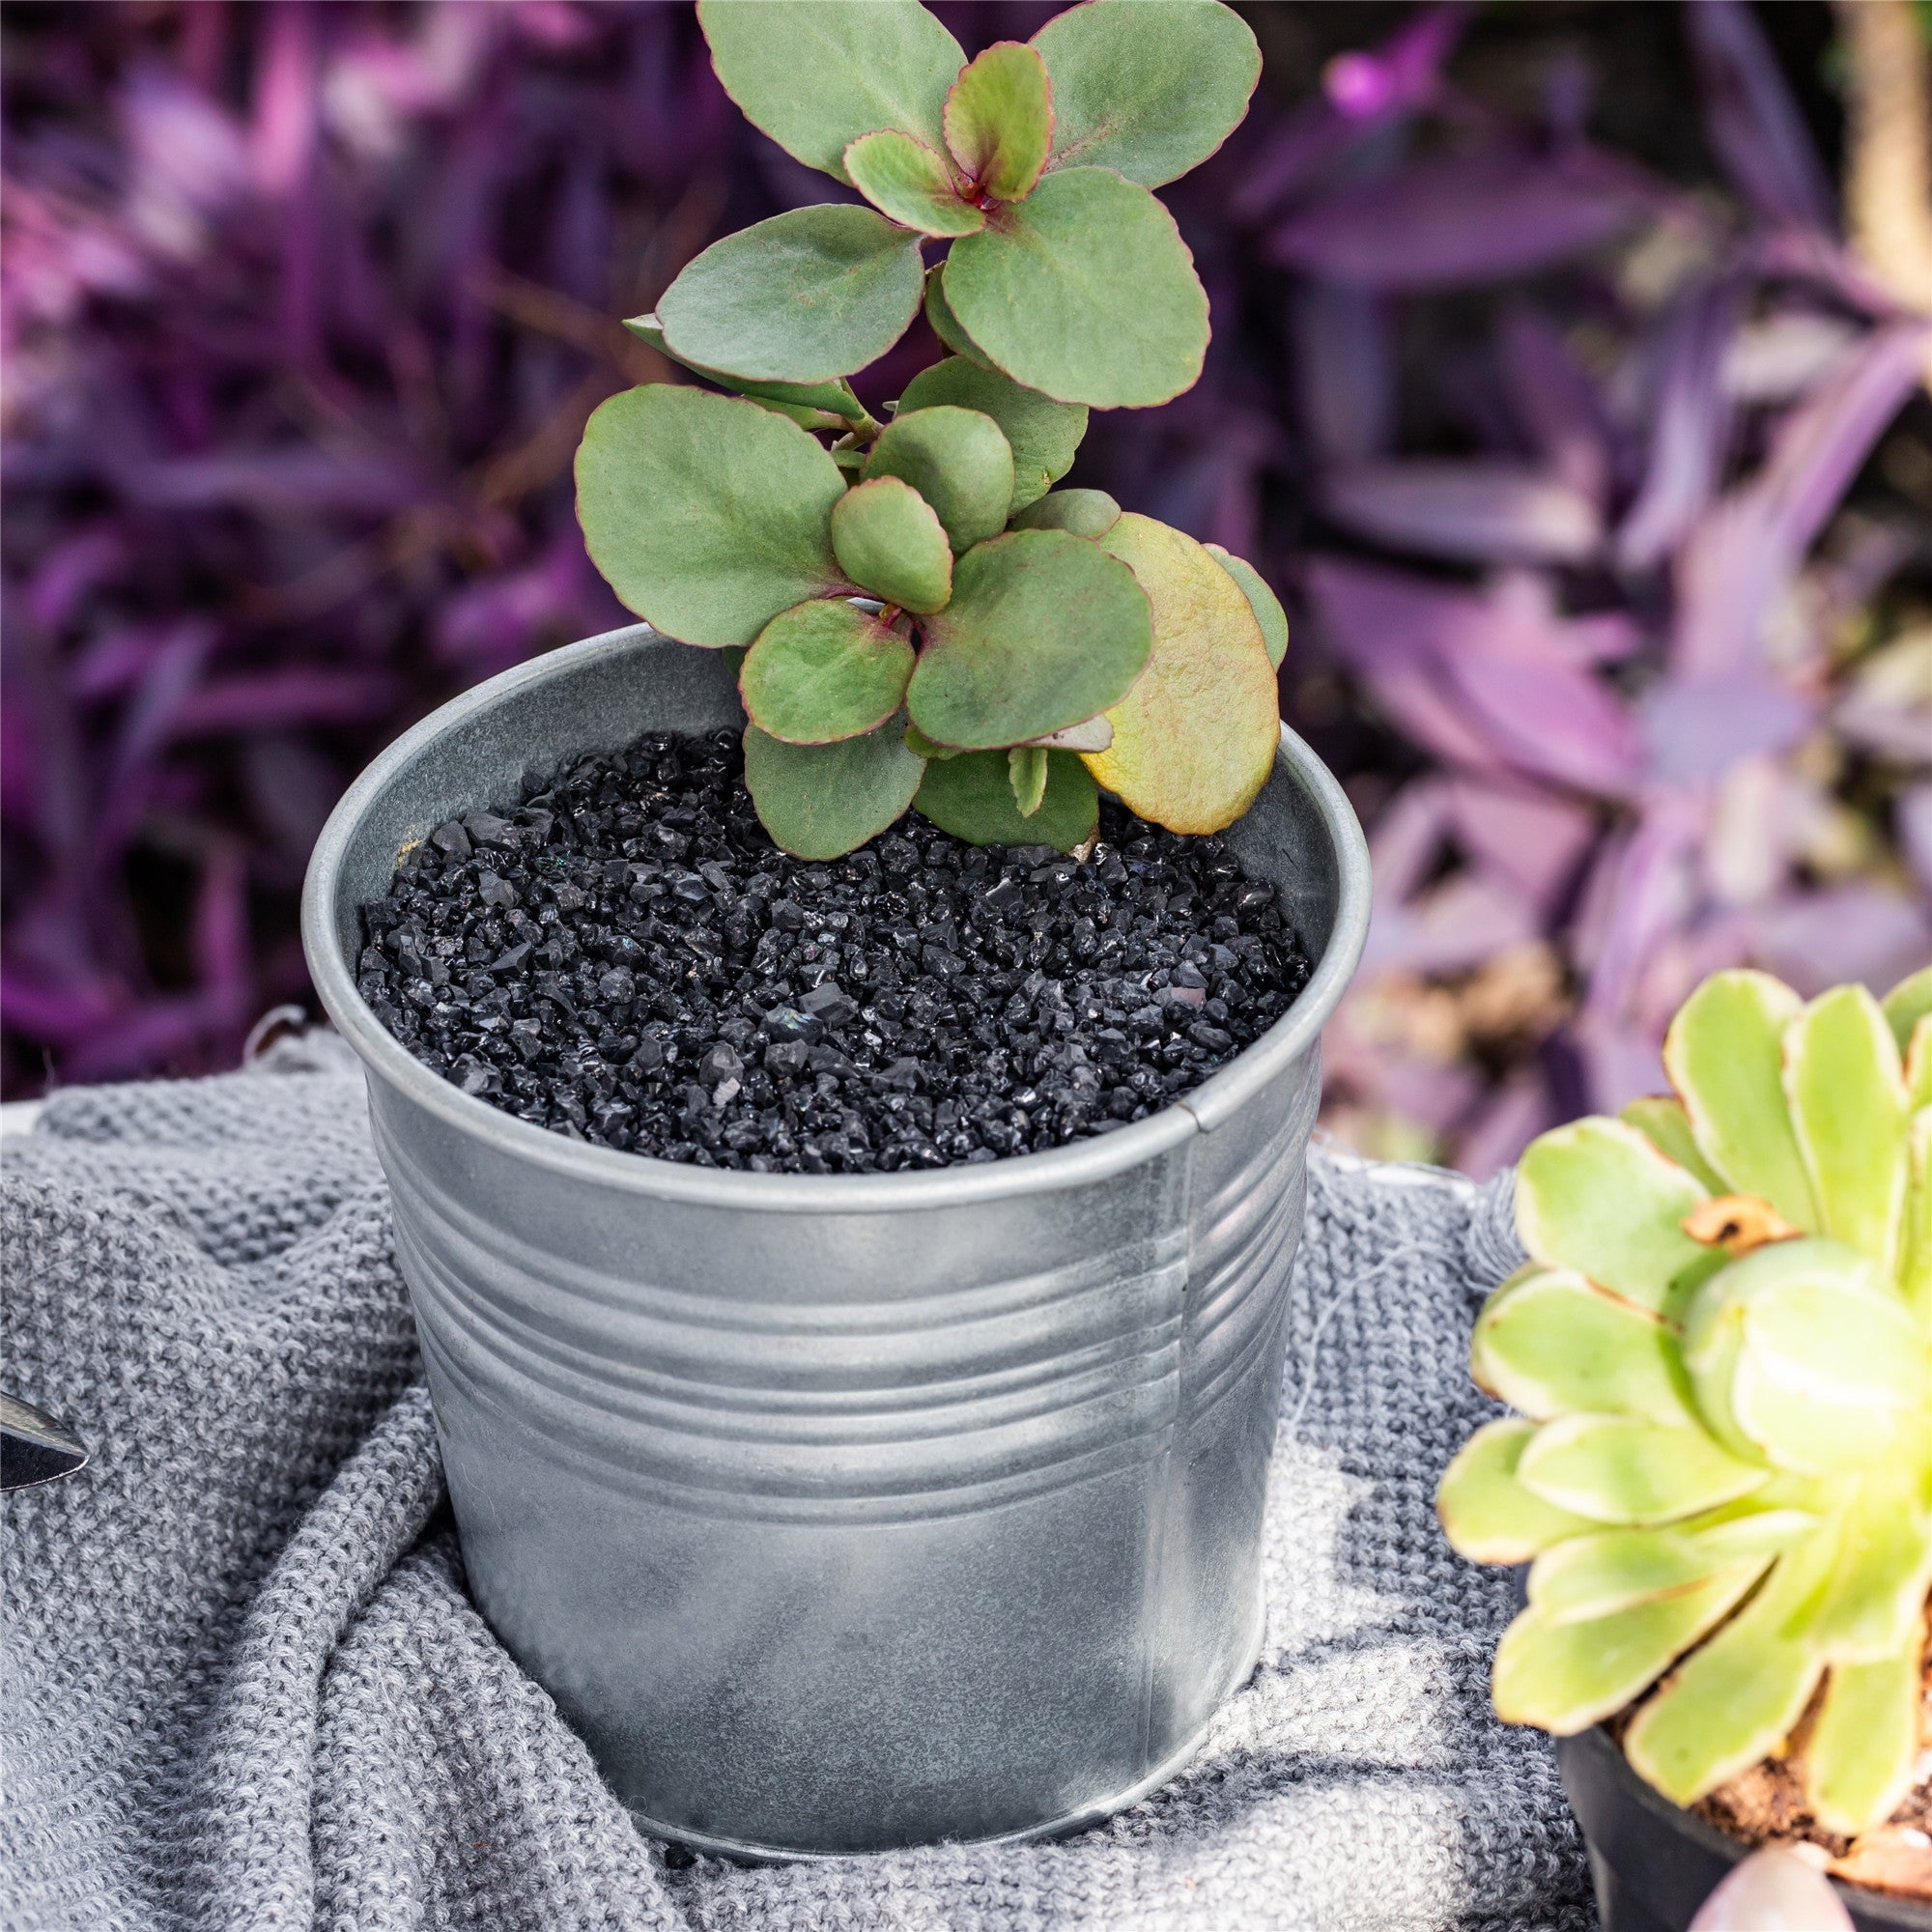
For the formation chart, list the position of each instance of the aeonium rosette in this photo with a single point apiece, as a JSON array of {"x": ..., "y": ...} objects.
[
  {"x": 1722, "y": 1353},
  {"x": 925, "y": 618}
]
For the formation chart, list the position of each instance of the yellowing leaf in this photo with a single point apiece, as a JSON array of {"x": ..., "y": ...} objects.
[{"x": 1195, "y": 737}]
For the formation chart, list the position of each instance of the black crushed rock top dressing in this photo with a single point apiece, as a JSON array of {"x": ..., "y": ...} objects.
[{"x": 626, "y": 957}]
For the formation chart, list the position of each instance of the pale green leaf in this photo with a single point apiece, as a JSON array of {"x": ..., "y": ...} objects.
[
  {"x": 817, "y": 76},
  {"x": 1736, "y": 1697},
  {"x": 1861, "y": 1753},
  {"x": 800, "y": 298},
  {"x": 1548, "y": 1344},
  {"x": 1044, "y": 434},
  {"x": 970, "y": 795},
  {"x": 1150, "y": 88},
  {"x": 1660, "y": 1119},
  {"x": 1564, "y": 1677},
  {"x": 959, "y": 460},
  {"x": 1875, "y": 1601},
  {"x": 1263, "y": 601},
  {"x": 1619, "y": 1470},
  {"x": 1195, "y": 738},
  {"x": 1915, "y": 1267},
  {"x": 1724, "y": 1053},
  {"x": 1615, "y": 1569},
  {"x": 1906, "y": 1004},
  {"x": 1084, "y": 290},
  {"x": 1803, "y": 1354},
  {"x": 833, "y": 401},
  {"x": 888, "y": 540},
  {"x": 906, "y": 180},
  {"x": 1025, "y": 776},
  {"x": 1486, "y": 1515},
  {"x": 998, "y": 119},
  {"x": 822, "y": 801},
  {"x": 1043, "y": 631},
  {"x": 1918, "y": 1065},
  {"x": 706, "y": 514},
  {"x": 1596, "y": 1196},
  {"x": 922, "y": 747},
  {"x": 1847, "y": 1096},
  {"x": 824, "y": 670},
  {"x": 1084, "y": 513}
]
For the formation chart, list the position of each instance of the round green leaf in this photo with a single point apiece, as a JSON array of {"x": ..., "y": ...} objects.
[
  {"x": 1195, "y": 739},
  {"x": 802, "y": 298},
  {"x": 1043, "y": 630},
  {"x": 958, "y": 461},
  {"x": 1044, "y": 435},
  {"x": 911, "y": 182},
  {"x": 824, "y": 670},
  {"x": 815, "y": 77},
  {"x": 888, "y": 540},
  {"x": 823, "y": 801},
  {"x": 1263, "y": 601},
  {"x": 1148, "y": 88},
  {"x": 945, "y": 324},
  {"x": 833, "y": 400},
  {"x": 1084, "y": 291},
  {"x": 970, "y": 794},
  {"x": 1085, "y": 513},
  {"x": 998, "y": 119},
  {"x": 706, "y": 514}
]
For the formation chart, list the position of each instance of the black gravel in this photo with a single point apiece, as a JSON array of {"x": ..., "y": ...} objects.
[{"x": 627, "y": 959}]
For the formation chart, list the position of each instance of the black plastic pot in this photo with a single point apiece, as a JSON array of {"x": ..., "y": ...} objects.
[{"x": 1654, "y": 1865}]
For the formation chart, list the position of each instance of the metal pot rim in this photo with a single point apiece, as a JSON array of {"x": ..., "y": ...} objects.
[{"x": 1082, "y": 1161}]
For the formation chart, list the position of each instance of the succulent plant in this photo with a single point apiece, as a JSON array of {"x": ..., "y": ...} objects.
[
  {"x": 1722, "y": 1352},
  {"x": 923, "y": 618}
]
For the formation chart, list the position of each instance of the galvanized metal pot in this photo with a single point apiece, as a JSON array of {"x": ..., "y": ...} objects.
[{"x": 847, "y": 1511}]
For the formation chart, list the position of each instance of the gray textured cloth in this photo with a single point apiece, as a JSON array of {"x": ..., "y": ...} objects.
[{"x": 245, "y": 1687}]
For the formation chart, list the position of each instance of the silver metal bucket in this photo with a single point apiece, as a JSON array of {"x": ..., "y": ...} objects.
[{"x": 847, "y": 1511}]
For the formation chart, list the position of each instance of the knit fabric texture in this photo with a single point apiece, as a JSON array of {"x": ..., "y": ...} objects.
[{"x": 245, "y": 1687}]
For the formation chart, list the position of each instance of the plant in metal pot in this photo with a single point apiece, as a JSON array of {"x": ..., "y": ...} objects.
[
  {"x": 924, "y": 619},
  {"x": 1719, "y": 1473},
  {"x": 850, "y": 1482}
]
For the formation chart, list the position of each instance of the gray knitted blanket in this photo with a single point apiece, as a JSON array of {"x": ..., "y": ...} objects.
[{"x": 245, "y": 1687}]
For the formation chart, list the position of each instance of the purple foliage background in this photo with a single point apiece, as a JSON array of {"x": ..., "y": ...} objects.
[{"x": 1595, "y": 471}]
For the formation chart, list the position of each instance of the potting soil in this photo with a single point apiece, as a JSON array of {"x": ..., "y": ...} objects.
[{"x": 624, "y": 957}]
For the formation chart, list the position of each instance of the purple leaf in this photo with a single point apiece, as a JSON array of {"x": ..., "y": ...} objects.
[
  {"x": 1691, "y": 426},
  {"x": 1739, "y": 560},
  {"x": 1857, "y": 931},
  {"x": 1450, "y": 927},
  {"x": 1751, "y": 119},
  {"x": 273, "y": 700},
  {"x": 1695, "y": 727},
  {"x": 1344, "y": 369},
  {"x": 1913, "y": 813},
  {"x": 1483, "y": 510},
  {"x": 1399, "y": 76},
  {"x": 1555, "y": 403},
  {"x": 1477, "y": 218},
  {"x": 1534, "y": 839}
]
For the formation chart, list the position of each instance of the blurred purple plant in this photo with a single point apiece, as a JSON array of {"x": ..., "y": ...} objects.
[{"x": 306, "y": 306}]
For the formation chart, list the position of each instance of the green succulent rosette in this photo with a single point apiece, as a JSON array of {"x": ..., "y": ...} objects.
[{"x": 1720, "y": 1352}]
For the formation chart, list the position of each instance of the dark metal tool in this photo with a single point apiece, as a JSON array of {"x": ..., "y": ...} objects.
[{"x": 35, "y": 1448}]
